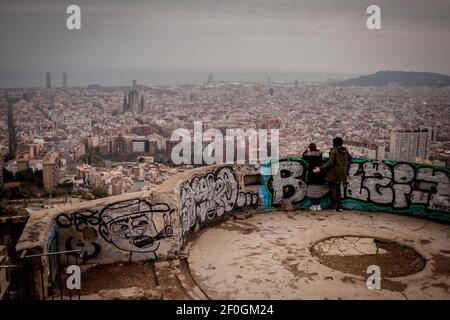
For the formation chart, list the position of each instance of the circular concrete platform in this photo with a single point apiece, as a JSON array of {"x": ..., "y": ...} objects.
[{"x": 267, "y": 256}]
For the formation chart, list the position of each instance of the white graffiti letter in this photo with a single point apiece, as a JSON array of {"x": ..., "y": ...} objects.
[
  {"x": 377, "y": 178},
  {"x": 289, "y": 175},
  {"x": 403, "y": 175},
  {"x": 433, "y": 189},
  {"x": 355, "y": 182}
]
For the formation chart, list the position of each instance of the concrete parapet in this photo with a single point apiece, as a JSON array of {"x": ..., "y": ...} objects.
[{"x": 155, "y": 225}]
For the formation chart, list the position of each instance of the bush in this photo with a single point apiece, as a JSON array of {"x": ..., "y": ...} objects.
[{"x": 99, "y": 192}]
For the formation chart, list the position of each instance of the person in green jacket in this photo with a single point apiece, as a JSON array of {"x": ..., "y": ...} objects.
[{"x": 336, "y": 171}]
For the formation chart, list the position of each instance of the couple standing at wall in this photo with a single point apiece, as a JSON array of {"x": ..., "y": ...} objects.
[{"x": 334, "y": 172}]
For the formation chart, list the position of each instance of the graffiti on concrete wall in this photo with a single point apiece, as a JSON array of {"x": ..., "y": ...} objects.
[
  {"x": 372, "y": 185},
  {"x": 52, "y": 246},
  {"x": 130, "y": 226},
  {"x": 210, "y": 196},
  {"x": 33, "y": 231},
  {"x": 399, "y": 185},
  {"x": 289, "y": 182}
]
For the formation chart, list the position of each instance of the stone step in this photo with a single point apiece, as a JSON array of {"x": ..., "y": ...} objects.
[
  {"x": 132, "y": 293},
  {"x": 175, "y": 281},
  {"x": 168, "y": 283},
  {"x": 187, "y": 281}
]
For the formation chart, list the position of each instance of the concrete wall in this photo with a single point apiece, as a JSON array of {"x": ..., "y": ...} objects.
[
  {"x": 142, "y": 226},
  {"x": 132, "y": 227},
  {"x": 373, "y": 185},
  {"x": 212, "y": 195},
  {"x": 3, "y": 279}
]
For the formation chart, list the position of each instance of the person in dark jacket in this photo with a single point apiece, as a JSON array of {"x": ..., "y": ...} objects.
[
  {"x": 336, "y": 171},
  {"x": 314, "y": 180}
]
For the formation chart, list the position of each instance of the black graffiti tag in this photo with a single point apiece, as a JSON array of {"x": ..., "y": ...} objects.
[{"x": 211, "y": 195}]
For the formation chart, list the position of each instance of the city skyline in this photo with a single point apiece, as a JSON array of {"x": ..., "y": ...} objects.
[
  {"x": 216, "y": 150},
  {"x": 170, "y": 42}
]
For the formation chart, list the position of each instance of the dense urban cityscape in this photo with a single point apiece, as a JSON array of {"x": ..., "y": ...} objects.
[
  {"x": 224, "y": 154},
  {"x": 115, "y": 140}
]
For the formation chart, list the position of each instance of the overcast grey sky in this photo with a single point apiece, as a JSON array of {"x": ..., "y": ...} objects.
[{"x": 141, "y": 39}]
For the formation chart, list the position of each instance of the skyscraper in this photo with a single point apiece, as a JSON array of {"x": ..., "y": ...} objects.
[
  {"x": 407, "y": 145},
  {"x": 12, "y": 141},
  {"x": 125, "y": 103},
  {"x": 141, "y": 109},
  {"x": 134, "y": 84},
  {"x": 48, "y": 80},
  {"x": 269, "y": 84},
  {"x": 64, "y": 80},
  {"x": 133, "y": 100},
  {"x": 50, "y": 170}
]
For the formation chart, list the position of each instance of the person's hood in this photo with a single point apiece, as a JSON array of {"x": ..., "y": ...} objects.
[{"x": 341, "y": 149}]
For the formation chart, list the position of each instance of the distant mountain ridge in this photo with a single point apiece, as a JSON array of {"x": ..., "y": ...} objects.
[{"x": 403, "y": 78}]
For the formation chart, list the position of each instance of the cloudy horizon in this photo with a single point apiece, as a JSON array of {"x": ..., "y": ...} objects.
[{"x": 176, "y": 41}]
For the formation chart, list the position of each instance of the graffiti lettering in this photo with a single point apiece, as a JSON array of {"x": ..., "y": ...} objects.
[
  {"x": 288, "y": 181},
  {"x": 34, "y": 230},
  {"x": 372, "y": 185},
  {"x": 208, "y": 196}
]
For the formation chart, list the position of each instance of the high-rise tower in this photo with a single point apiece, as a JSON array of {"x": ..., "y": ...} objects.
[
  {"x": 133, "y": 100},
  {"x": 12, "y": 141},
  {"x": 141, "y": 107},
  {"x": 64, "y": 80},
  {"x": 125, "y": 103},
  {"x": 269, "y": 84},
  {"x": 407, "y": 145},
  {"x": 48, "y": 80}
]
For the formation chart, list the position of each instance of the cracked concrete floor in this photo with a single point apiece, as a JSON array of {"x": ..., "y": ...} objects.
[
  {"x": 349, "y": 246},
  {"x": 267, "y": 256}
]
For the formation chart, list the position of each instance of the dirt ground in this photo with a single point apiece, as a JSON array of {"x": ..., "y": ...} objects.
[
  {"x": 396, "y": 260},
  {"x": 118, "y": 275},
  {"x": 115, "y": 276}
]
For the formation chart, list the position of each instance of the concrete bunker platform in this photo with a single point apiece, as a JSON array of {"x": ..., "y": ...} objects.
[
  {"x": 230, "y": 232},
  {"x": 267, "y": 256}
]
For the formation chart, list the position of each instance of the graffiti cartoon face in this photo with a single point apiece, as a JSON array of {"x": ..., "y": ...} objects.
[
  {"x": 130, "y": 227},
  {"x": 200, "y": 189},
  {"x": 133, "y": 232}
]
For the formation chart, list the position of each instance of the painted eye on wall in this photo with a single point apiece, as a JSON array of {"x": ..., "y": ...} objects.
[
  {"x": 139, "y": 223},
  {"x": 119, "y": 228}
]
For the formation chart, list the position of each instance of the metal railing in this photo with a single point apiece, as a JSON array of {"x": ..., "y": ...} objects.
[
  {"x": 10, "y": 285},
  {"x": 40, "y": 276}
]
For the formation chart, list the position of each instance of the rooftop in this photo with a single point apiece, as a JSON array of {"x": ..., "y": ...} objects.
[
  {"x": 227, "y": 232},
  {"x": 270, "y": 256}
]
